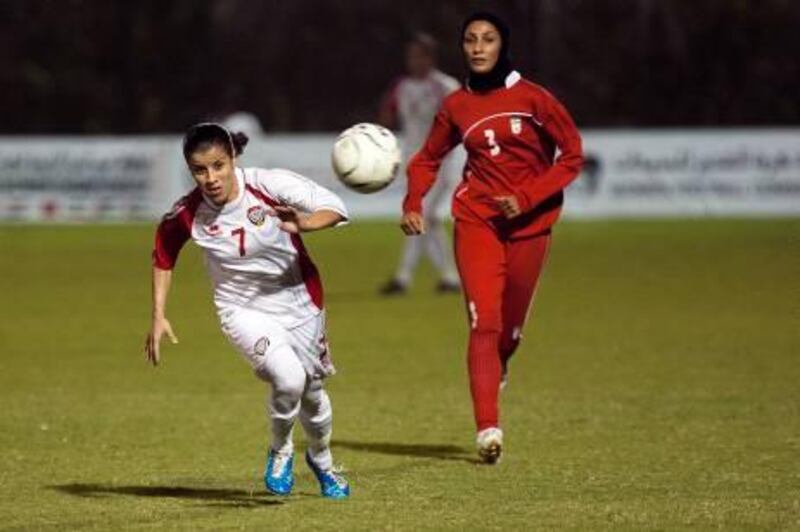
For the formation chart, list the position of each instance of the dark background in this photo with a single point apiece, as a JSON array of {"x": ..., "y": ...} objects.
[{"x": 101, "y": 66}]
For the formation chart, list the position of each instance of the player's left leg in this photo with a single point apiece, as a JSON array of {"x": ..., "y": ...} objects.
[
  {"x": 316, "y": 416},
  {"x": 526, "y": 258},
  {"x": 316, "y": 413}
]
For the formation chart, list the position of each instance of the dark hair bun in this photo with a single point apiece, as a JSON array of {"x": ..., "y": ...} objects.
[
  {"x": 205, "y": 134},
  {"x": 239, "y": 140}
]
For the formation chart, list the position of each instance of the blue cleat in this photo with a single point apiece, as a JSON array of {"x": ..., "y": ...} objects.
[
  {"x": 278, "y": 477},
  {"x": 332, "y": 485}
]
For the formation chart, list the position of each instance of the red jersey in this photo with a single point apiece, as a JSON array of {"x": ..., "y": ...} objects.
[{"x": 511, "y": 136}]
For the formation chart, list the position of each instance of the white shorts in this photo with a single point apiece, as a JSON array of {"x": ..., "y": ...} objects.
[{"x": 258, "y": 336}]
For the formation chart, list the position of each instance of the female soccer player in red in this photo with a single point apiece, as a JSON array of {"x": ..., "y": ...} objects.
[{"x": 523, "y": 149}]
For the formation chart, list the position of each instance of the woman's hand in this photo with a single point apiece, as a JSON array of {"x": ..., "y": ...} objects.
[
  {"x": 412, "y": 223},
  {"x": 159, "y": 327},
  {"x": 508, "y": 205},
  {"x": 294, "y": 221}
]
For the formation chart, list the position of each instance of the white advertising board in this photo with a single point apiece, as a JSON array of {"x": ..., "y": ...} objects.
[{"x": 643, "y": 173}]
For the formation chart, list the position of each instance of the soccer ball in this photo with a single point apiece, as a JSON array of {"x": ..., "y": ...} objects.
[{"x": 366, "y": 157}]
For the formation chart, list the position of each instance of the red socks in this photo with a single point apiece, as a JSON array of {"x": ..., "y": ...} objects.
[{"x": 484, "y": 376}]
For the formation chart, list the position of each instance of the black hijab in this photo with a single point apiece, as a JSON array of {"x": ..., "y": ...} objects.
[{"x": 496, "y": 77}]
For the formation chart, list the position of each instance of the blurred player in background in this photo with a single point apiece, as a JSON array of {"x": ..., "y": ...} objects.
[
  {"x": 245, "y": 122},
  {"x": 504, "y": 208},
  {"x": 411, "y": 104},
  {"x": 267, "y": 292},
  {"x": 234, "y": 115}
]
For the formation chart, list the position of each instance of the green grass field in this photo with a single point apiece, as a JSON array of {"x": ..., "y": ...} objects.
[{"x": 658, "y": 388}]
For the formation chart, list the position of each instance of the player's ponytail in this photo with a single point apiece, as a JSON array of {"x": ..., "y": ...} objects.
[
  {"x": 239, "y": 140},
  {"x": 202, "y": 136}
]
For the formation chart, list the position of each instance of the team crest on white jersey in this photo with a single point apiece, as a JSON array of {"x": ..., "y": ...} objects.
[
  {"x": 212, "y": 230},
  {"x": 257, "y": 214},
  {"x": 261, "y": 346},
  {"x": 516, "y": 125}
]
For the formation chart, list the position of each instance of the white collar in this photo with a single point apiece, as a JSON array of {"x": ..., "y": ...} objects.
[{"x": 512, "y": 78}]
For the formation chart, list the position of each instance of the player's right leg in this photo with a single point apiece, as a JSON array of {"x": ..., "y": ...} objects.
[
  {"x": 436, "y": 242},
  {"x": 480, "y": 257},
  {"x": 286, "y": 374},
  {"x": 265, "y": 345},
  {"x": 409, "y": 258},
  {"x": 439, "y": 251}
]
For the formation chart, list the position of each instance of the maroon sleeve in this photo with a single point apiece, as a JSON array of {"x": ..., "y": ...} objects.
[
  {"x": 174, "y": 230},
  {"x": 424, "y": 166},
  {"x": 558, "y": 124}
]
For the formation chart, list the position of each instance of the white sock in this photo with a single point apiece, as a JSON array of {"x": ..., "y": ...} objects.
[
  {"x": 316, "y": 416},
  {"x": 412, "y": 250},
  {"x": 438, "y": 248},
  {"x": 287, "y": 377}
]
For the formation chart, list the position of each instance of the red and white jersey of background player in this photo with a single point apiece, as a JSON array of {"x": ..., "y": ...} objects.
[
  {"x": 251, "y": 261},
  {"x": 415, "y": 101}
]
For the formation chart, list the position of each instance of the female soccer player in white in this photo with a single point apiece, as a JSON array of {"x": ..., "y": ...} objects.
[
  {"x": 267, "y": 292},
  {"x": 411, "y": 103}
]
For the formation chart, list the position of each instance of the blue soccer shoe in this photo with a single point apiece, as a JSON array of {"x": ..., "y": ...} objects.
[
  {"x": 278, "y": 477},
  {"x": 332, "y": 485}
]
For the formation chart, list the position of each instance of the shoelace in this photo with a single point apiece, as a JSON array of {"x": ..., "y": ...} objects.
[
  {"x": 335, "y": 473},
  {"x": 279, "y": 464}
]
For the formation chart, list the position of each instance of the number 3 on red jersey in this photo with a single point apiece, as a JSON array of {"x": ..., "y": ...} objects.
[{"x": 494, "y": 148}]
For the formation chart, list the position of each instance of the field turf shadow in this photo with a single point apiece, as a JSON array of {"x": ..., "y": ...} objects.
[
  {"x": 419, "y": 450},
  {"x": 214, "y": 496}
]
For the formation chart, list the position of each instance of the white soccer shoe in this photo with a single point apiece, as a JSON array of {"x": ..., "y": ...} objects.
[{"x": 490, "y": 445}]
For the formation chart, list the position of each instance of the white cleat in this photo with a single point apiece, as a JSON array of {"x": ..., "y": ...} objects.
[{"x": 490, "y": 445}]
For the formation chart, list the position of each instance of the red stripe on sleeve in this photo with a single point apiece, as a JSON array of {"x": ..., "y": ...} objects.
[
  {"x": 261, "y": 195},
  {"x": 174, "y": 230}
]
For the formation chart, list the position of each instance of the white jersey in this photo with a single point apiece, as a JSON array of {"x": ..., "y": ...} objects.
[
  {"x": 416, "y": 101},
  {"x": 251, "y": 261}
]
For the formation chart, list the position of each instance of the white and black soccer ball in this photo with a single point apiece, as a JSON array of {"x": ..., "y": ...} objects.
[{"x": 366, "y": 157}]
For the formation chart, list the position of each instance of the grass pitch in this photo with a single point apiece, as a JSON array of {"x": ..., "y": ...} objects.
[{"x": 658, "y": 388}]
